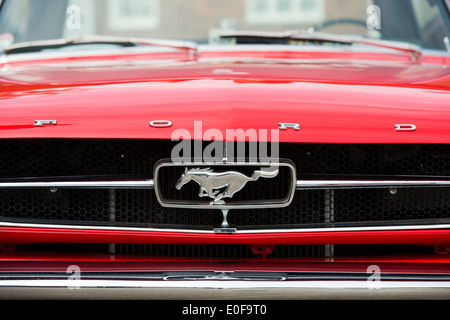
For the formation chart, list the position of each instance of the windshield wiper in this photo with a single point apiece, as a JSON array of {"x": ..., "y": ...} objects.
[
  {"x": 306, "y": 37},
  {"x": 34, "y": 46},
  {"x": 267, "y": 37}
]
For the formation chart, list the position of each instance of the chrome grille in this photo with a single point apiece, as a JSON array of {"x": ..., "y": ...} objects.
[{"x": 27, "y": 160}]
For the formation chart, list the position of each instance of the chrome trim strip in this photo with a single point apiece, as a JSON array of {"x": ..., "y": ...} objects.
[
  {"x": 354, "y": 184},
  {"x": 260, "y": 231},
  {"x": 129, "y": 184},
  {"x": 102, "y": 228},
  {"x": 346, "y": 229}
]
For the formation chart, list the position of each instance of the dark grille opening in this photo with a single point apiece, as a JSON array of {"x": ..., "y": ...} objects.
[
  {"x": 75, "y": 206},
  {"x": 80, "y": 157},
  {"x": 23, "y": 159},
  {"x": 368, "y": 159},
  {"x": 391, "y": 204},
  {"x": 219, "y": 251},
  {"x": 126, "y": 208},
  {"x": 134, "y": 207}
]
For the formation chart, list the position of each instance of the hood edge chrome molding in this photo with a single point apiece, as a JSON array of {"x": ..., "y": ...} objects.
[{"x": 261, "y": 231}]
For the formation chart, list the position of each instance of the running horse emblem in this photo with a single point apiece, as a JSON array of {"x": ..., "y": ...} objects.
[{"x": 211, "y": 183}]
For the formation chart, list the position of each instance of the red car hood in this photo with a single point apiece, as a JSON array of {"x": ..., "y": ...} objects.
[{"x": 336, "y": 100}]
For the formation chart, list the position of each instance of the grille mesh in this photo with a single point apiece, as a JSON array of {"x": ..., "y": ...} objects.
[
  {"x": 68, "y": 157},
  {"x": 234, "y": 252}
]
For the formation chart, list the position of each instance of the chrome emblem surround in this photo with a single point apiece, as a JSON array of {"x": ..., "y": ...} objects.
[{"x": 212, "y": 181}]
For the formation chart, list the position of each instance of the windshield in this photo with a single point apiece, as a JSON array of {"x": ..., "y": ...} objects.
[{"x": 421, "y": 22}]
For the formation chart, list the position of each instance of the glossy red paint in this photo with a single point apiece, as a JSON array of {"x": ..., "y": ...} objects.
[
  {"x": 25, "y": 235},
  {"x": 336, "y": 97}
]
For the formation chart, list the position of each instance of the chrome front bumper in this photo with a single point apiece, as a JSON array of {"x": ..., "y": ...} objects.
[{"x": 219, "y": 286}]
